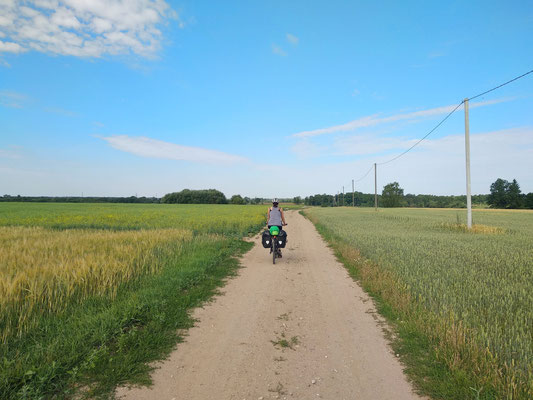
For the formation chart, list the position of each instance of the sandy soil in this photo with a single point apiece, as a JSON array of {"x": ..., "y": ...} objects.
[{"x": 337, "y": 346}]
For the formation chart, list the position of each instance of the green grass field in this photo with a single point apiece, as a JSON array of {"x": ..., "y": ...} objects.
[
  {"x": 90, "y": 293},
  {"x": 471, "y": 294},
  {"x": 225, "y": 219}
]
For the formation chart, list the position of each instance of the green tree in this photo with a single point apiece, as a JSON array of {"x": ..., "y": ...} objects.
[
  {"x": 297, "y": 200},
  {"x": 514, "y": 195},
  {"x": 236, "y": 199},
  {"x": 498, "y": 197},
  {"x": 528, "y": 200},
  {"x": 392, "y": 195},
  {"x": 186, "y": 196}
]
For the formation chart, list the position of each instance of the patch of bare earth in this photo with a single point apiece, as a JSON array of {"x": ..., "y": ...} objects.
[{"x": 300, "y": 329}]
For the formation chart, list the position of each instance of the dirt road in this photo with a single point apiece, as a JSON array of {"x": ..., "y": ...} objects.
[{"x": 300, "y": 329}]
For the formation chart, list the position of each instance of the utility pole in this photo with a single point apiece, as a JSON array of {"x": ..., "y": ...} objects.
[
  {"x": 467, "y": 153},
  {"x": 353, "y": 193},
  {"x": 376, "y": 186}
]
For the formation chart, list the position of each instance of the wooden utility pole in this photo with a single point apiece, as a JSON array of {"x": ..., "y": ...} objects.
[
  {"x": 353, "y": 194},
  {"x": 375, "y": 186},
  {"x": 467, "y": 153}
]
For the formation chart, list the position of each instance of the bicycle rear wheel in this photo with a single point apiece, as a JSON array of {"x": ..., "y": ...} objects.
[{"x": 274, "y": 250}]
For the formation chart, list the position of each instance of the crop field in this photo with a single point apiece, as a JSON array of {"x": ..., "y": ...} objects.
[
  {"x": 226, "y": 219},
  {"x": 85, "y": 260},
  {"x": 472, "y": 291}
]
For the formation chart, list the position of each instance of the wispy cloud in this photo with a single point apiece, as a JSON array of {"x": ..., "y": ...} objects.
[
  {"x": 10, "y": 47},
  {"x": 436, "y": 54},
  {"x": 12, "y": 152},
  {"x": 373, "y": 120},
  {"x": 152, "y": 148},
  {"x": 61, "y": 111},
  {"x": 83, "y": 28},
  {"x": 304, "y": 149},
  {"x": 276, "y": 49},
  {"x": 12, "y": 99},
  {"x": 292, "y": 39},
  {"x": 369, "y": 144}
]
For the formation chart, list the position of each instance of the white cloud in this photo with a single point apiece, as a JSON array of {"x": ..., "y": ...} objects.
[
  {"x": 305, "y": 149},
  {"x": 84, "y": 28},
  {"x": 373, "y": 120},
  {"x": 278, "y": 50},
  {"x": 368, "y": 144},
  {"x": 10, "y": 47},
  {"x": 12, "y": 152},
  {"x": 152, "y": 148},
  {"x": 436, "y": 54},
  {"x": 292, "y": 39},
  {"x": 12, "y": 99},
  {"x": 61, "y": 111},
  {"x": 436, "y": 166}
]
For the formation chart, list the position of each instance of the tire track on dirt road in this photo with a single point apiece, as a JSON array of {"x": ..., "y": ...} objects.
[{"x": 300, "y": 329}]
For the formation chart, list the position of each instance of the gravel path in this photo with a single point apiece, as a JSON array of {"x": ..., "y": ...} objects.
[{"x": 300, "y": 329}]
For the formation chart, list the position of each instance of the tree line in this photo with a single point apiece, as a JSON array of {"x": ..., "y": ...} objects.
[
  {"x": 207, "y": 196},
  {"x": 503, "y": 194},
  {"x": 79, "y": 199}
]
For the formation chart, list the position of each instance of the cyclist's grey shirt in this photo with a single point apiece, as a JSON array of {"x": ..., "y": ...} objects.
[{"x": 275, "y": 216}]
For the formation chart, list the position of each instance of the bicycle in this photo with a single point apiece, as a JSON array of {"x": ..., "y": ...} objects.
[{"x": 271, "y": 239}]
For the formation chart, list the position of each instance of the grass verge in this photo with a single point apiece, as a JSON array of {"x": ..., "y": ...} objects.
[
  {"x": 90, "y": 348},
  {"x": 439, "y": 357}
]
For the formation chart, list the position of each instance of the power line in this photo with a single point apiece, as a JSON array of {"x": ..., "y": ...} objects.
[
  {"x": 499, "y": 86},
  {"x": 442, "y": 121},
  {"x": 429, "y": 133},
  {"x": 455, "y": 109},
  {"x": 364, "y": 176}
]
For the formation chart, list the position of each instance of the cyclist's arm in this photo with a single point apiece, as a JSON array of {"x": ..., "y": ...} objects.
[{"x": 282, "y": 216}]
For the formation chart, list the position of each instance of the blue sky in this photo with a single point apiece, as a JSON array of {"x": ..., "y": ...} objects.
[{"x": 269, "y": 98}]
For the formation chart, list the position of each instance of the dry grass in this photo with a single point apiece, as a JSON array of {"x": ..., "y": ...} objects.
[
  {"x": 476, "y": 228},
  {"x": 43, "y": 270}
]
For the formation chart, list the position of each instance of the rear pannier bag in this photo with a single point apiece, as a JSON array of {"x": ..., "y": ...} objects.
[
  {"x": 282, "y": 239},
  {"x": 266, "y": 240}
]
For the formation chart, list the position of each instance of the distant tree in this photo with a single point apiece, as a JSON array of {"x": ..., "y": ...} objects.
[
  {"x": 256, "y": 200},
  {"x": 297, "y": 200},
  {"x": 528, "y": 200},
  {"x": 498, "y": 194},
  {"x": 392, "y": 195},
  {"x": 236, "y": 199},
  {"x": 514, "y": 196},
  {"x": 186, "y": 196}
]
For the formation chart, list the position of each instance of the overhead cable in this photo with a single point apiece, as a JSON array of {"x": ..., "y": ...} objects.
[
  {"x": 364, "y": 176},
  {"x": 442, "y": 121},
  {"x": 499, "y": 86},
  {"x": 455, "y": 109},
  {"x": 429, "y": 133}
]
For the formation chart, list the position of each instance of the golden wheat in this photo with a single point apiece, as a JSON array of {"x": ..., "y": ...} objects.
[{"x": 42, "y": 270}]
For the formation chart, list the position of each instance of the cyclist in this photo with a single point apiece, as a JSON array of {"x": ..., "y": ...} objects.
[{"x": 275, "y": 217}]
